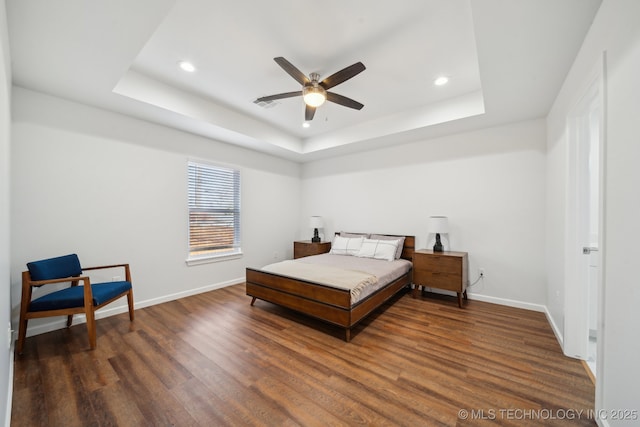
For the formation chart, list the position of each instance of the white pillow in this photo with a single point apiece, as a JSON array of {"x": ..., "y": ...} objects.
[
  {"x": 346, "y": 245},
  {"x": 400, "y": 240},
  {"x": 378, "y": 249}
]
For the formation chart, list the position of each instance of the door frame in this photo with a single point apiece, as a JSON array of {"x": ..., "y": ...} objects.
[{"x": 576, "y": 308}]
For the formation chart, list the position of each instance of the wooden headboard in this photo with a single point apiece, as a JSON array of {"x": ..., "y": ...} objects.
[{"x": 407, "y": 249}]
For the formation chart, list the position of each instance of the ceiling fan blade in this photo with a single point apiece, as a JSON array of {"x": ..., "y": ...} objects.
[
  {"x": 292, "y": 70},
  {"x": 343, "y": 100},
  {"x": 279, "y": 96},
  {"x": 309, "y": 112},
  {"x": 343, "y": 75}
]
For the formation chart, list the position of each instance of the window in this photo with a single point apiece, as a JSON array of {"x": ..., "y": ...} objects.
[{"x": 214, "y": 211}]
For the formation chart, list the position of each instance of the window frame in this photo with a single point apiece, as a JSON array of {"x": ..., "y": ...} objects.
[{"x": 235, "y": 251}]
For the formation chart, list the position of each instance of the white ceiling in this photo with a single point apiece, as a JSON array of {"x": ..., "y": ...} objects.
[{"x": 506, "y": 60}]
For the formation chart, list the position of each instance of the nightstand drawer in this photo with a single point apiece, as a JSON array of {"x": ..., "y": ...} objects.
[
  {"x": 435, "y": 279},
  {"x": 441, "y": 264}
]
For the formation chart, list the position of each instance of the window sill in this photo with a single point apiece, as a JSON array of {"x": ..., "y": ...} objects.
[{"x": 212, "y": 258}]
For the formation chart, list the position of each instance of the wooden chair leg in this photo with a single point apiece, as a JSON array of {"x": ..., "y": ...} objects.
[
  {"x": 24, "y": 307},
  {"x": 69, "y": 320},
  {"x": 130, "y": 301},
  {"x": 22, "y": 334},
  {"x": 91, "y": 328}
]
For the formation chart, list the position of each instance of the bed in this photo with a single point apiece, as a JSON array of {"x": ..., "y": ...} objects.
[{"x": 333, "y": 303}]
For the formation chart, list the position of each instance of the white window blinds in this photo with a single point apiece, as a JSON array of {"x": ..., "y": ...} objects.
[{"x": 214, "y": 210}]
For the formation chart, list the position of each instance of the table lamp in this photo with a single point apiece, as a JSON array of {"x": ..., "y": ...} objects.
[
  {"x": 437, "y": 225},
  {"x": 315, "y": 222}
]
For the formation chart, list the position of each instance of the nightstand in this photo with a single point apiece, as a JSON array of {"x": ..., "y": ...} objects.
[
  {"x": 442, "y": 270},
  {"x": 305, "y": 248}
]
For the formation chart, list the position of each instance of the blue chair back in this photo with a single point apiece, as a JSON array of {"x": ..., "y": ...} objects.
[{"x": 55, "y": 268}]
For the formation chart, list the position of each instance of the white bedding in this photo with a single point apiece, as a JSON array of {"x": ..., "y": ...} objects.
[{"x": 362, "y": 276}]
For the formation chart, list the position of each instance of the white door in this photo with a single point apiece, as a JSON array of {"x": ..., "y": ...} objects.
[
  {"x": 584, "y": 219},
  {"x": 589, "y": 214}
]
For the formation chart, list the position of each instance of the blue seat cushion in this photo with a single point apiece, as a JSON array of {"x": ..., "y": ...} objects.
[
  {"x": 73, "y": 297},
  {"x": 55, "y": 268}
]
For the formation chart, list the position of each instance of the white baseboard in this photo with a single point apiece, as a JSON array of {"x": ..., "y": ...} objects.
[
  {"x": 554, "y": 327},
  {"x": 61, "y": 323},
  {"x": 507, "y": 302},
  {"x": 494, "y": 300},
  {"x": 9, "y": 403}
]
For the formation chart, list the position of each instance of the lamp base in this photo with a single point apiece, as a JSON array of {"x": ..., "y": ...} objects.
[
  {"x": 316, "y": 237},
  {"x": 438, "y": 246}
]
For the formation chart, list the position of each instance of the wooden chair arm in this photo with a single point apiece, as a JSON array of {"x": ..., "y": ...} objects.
[
  {"x": 105, "y": 266},
  {"x": 127, "y": 272}
]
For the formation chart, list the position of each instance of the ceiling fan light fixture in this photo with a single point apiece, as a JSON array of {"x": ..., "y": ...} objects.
[{"x": 314, "y": 96}]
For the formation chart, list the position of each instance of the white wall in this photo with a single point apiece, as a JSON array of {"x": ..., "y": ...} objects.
[
  {"x": 490, "y": 183},
  {"x": 5, "y": 288},
  {"x": 616, "y": 31},
  {"x": 114, "y": 189}
]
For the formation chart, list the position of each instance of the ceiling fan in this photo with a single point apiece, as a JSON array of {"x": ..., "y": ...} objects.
[{"x": 315, "y": 92}]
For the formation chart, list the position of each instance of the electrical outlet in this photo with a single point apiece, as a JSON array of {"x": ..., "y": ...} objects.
[
  {"x": 482, "y": 272},
  {"x": 9, "y": 335}
]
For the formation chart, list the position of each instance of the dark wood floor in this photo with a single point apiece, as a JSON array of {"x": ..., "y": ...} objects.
[{"x": 212, "y": 359}]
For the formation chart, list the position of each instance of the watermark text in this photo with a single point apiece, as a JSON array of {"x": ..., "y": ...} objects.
[{"x": 548, "y": 414}]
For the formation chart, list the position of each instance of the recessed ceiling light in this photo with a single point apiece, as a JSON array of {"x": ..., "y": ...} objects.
[
  {"x": 441, "y": 81},
  {"x": 306, "y": 124},
  {"x": 187, "y": 66}
]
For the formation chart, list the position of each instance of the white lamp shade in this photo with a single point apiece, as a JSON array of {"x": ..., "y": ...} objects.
[
  {"x": 316, "y": 222},
  {"x": 438, "y": 224},
  {"x": 314, "y": 95}
]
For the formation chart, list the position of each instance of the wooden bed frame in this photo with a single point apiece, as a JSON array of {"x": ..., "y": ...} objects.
[{"x": 323, "y": 302}]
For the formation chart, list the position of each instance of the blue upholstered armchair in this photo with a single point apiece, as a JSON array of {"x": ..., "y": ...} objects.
[{"x": 72, "y": 300}]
